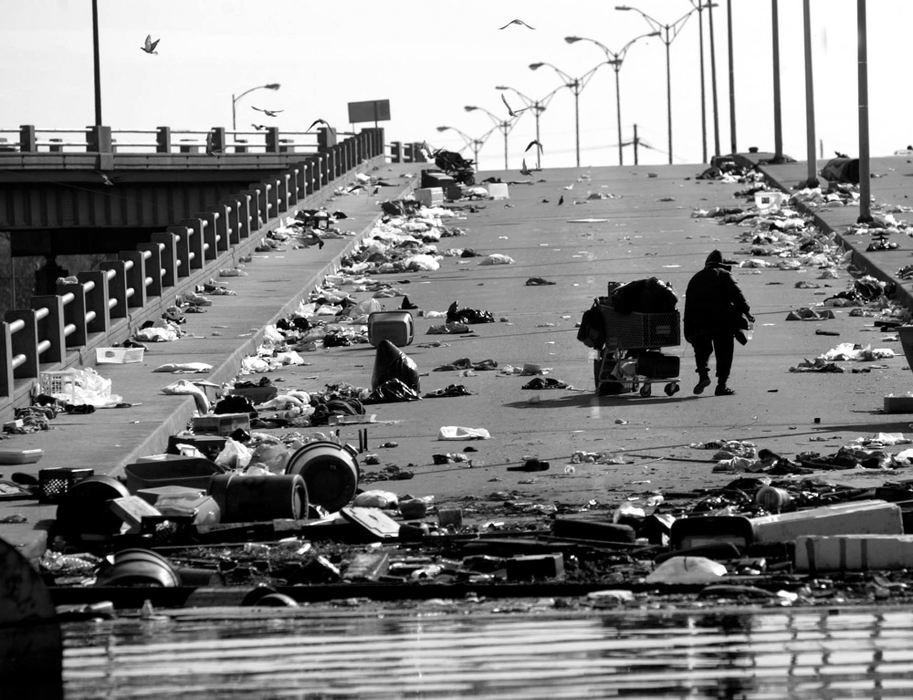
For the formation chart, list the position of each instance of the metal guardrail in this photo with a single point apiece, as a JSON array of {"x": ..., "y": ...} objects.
[{"x": 80, "y": 314}]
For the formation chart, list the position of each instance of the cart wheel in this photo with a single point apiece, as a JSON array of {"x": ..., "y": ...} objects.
[
  {"x": 645, "y": 390},
  {"x": 672, "y": 388}
]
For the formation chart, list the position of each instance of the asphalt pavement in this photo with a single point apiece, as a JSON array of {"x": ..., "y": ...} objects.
[{"x": 616, "y": 224}]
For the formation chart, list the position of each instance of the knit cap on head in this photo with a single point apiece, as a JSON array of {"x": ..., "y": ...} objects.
[{"x": 715, "y": 258}]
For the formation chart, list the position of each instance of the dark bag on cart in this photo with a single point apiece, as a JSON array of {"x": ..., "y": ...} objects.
[
  {"x": 656, "y": 365},
  {"x": 592, "y": 327},
  {"x": 646, "y": 296}
]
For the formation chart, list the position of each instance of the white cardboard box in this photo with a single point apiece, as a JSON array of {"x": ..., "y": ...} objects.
[
  {"x": 873, "y": 517},
  {"x": 853, "y": 552},
  {"x": 430, "y": 196},
  {"x": 498, "y": 190}
]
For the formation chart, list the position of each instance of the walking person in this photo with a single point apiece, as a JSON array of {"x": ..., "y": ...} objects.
[{"x": 716, "y": 313}]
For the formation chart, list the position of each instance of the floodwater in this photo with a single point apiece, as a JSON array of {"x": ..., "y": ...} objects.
[{"x": 445, "y": 651}]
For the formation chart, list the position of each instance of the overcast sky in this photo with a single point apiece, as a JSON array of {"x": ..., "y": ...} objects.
[{"x": 432, "y": 59}]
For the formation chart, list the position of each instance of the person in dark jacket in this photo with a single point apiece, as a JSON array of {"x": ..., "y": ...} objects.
[{"x": 716, "y": 313}]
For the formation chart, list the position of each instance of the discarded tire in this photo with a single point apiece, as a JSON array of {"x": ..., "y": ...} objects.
[
  {"x": 329, "y": 470},
  {"x": 140, "y": 567},
  {"x": 84, "y": 509},
  {"x": 249, "y": 498}
]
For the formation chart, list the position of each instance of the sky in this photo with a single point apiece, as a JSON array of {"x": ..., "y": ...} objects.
[{"x": 432, "y": 59}]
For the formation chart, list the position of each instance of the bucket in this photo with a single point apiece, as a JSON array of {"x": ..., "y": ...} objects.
[
  {"x": 249, "y": 498},
  {"x": 773, "y": 499},
  {"x": 329, "y": 470},
  {"x": 140, "y": 567},
  {"x": 84, "y": 509}
]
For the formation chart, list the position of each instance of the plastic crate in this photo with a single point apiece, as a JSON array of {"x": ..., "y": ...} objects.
[
  {"x": 638, "y": 330},
  {"x": 55, "y": 482},
  {"x": 62, "y": 384}
]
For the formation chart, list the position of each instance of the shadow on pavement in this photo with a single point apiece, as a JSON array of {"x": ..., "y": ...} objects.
[{"x": 588, "y": 399}]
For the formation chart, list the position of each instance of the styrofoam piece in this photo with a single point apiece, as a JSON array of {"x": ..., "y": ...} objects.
[
  {"x": 873, "y": 517},
  {"x": 498, "y": 190},
  {"x": 853, "y": 552}
]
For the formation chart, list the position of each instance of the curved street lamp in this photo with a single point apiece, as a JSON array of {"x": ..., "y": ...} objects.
[
  {"x": 235, "y": 98},
  {"x": 537, "y": 106},
  {"x": 505, "y": 125},
  {"x": 575, "y": 85},
  {"x": 614, "y": 59},
  {"x": 668, "y": 32},
  {"x": 474, "y": 144}
]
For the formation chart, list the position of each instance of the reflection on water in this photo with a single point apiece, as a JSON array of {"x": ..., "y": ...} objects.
[{"x": 446, "y": 652}]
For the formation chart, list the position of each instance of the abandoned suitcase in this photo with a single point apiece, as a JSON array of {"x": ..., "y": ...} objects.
[{"x": 395, "y": 326}]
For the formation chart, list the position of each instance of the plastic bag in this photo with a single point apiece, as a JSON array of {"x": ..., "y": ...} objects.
[
  {"x": 687, "y": 570},
  {"x": 234, "y": 455},
  {"x": 392, "y": 363}
]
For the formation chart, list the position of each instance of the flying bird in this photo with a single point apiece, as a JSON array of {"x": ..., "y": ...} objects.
[
  {"x": 149, "y": 45},
  {"x": 519, "y": 22},
  {"x": 106, "y": 180},
  {"x": 319, "y": 121},
  {"x": 840, "y": 155},
  {"x": 511, "y": 112},
  {"x": 259, "y": 127},
  {"x": 534, "y": 143},
  {"x": 268, "y": 112},
  {"x": 560, "y": 200}
]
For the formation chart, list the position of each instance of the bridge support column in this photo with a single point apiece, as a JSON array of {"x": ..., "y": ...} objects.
[
  {"x": 97, "y": 310},
  {"x": 25, "y": 342},
  {"x": 28, "y": 141},
  {"x": 182, "y": 248},
  {"x": 135, "y": 269},
  {"x": 74, "y": 312},
  {"x": 161, "y": 263},
  {"x": 51, "y": 327},
  {"x": 117, "y": 287}
]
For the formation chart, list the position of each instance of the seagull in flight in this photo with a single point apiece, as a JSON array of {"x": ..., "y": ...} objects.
[
  {"x": 268, "y": 112},
  {"x": 510, "y": 111},
  {"x": 519, "y": 22},
  {"x": 534, "y": 143},
  {"x": 319, "y": 121},
  {"x": 259, "y": 127},
  {"x": 149, "y": 45}
]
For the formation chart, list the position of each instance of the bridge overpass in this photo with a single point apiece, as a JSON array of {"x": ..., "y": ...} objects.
[{"x": 166, "y": 208}]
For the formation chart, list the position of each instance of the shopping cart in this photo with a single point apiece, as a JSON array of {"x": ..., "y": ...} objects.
[{"x": 631, "y": 359}]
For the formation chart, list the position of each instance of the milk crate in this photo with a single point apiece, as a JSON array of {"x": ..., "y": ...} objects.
[
  {"x": 62, "y": 384},
  {"x": 55, "y": 482},
  {"x": 638, "y": 330}
]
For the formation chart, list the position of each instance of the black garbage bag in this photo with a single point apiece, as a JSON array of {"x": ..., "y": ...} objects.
[
  {"x": 646, "y": 296},
  {"x": 457, "y": 315},
  {"x": 392, "y": 363},
  {"x": 390, "y": 391},
  {"x": 592, "y": 327},
  {"x": 235, "y": 404},
  {"x": 841, "y": 170}
]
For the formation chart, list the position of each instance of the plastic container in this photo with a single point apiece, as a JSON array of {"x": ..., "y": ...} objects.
[
  {"x": 251, "y": 498},
  {"x": 166, "y": 470},
  {"x": 773, "y": 499},
  {"x": 395, "y": 326},
  {"x": 329, "y": 470},
  {"x": 54, "y": 483},
  {"x": 84, "y": 509}
]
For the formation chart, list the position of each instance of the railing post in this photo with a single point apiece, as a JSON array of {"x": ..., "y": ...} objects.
[
  {"x": 6, "y": 360},
  {"x": 74, "y": 313},
  {"x": 154, "y": 267},
  {"x": 232, "y": 224},
  {"x": 310, "y": 174},
  {"x": 298, "y": 187},
  {"x": 96, "y": 300},
  {"x": 163, "y": 139},
  {"x": 324, "y": 169},
  {"x": 28, "y": 143},
  {"x": 136, "y": 277},
  {"x": 282, "y": 192},
  {"x": 51, "y": 327},
  {"x": 25, "y": 342},
  {"x": 209, "y": 233},
  {"x": 256, "y": 210},
  {"x": 218, "y": 220},
  {"x": 181, "y": 248},
  {"x": 396, "y": 152},
  {"x": 197, "y": 242},
  {"x": 245, "y": 205},
  {"x": 272, "y": 199},
  {"x": 272, "y": 139},
  {"x": 117, "y": 287}
]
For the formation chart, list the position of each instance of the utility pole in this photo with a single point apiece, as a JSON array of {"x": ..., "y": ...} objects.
[
  {"x": 95, "y": 54},
  {"x": 636, "y": 144},
  {"x": 716, "y": 111},
  {"x": 865, "y": 183},
  {"x": 812, "y": 170},
  {"x": 778, "y": 127},
  {"x": 732, "y": 138}
]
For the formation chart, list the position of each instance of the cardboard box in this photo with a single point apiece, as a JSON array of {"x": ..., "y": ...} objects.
[
  {"x": 498, "y": 190},
  {"x": 853, "y": 552},
  {"x": 221, "y": 423},
  {"x": 854, "y": 518},
  {"x": 430, "y": 196}
]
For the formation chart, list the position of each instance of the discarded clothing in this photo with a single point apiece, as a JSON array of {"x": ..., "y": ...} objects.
[
  {"x": 457, "y": 315},
  {"x": 538, "y": 383},
  {"x": 466, "y": 363},
  {"x": 448, "y": 391}
]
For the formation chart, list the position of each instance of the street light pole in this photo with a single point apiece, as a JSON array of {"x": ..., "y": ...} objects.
[
  {"x": 716, "y": 112},
  {"x": 862, "y": 77},
  {"x": 576, "y": 86},
  {"x": 234, "y": 100},
  {"x": 778, "y": 128},
  {"x": 95, "y": 54},
  {"x": 670, "y": 32},
  {"x": 537, "y": 106},
  {"x": 503, "y": 124},
  {"x": 614, "y": 59},
  {"x": 474, "y": 144},
  {"x": 732, "y": 132},
  {"x": 700, "y": 27}
]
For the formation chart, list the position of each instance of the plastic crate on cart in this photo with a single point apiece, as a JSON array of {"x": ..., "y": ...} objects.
[
  {"x": 55, "y": 482},
  {"x": 639, "y": 330}
]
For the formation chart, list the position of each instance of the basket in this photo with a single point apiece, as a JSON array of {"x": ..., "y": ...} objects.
[
  {"x": 118, "y": 356},
  {"x": 639, "y": 330},
  {"x": 55, "y": 482},
  {"x": 56, "y": 384}
]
